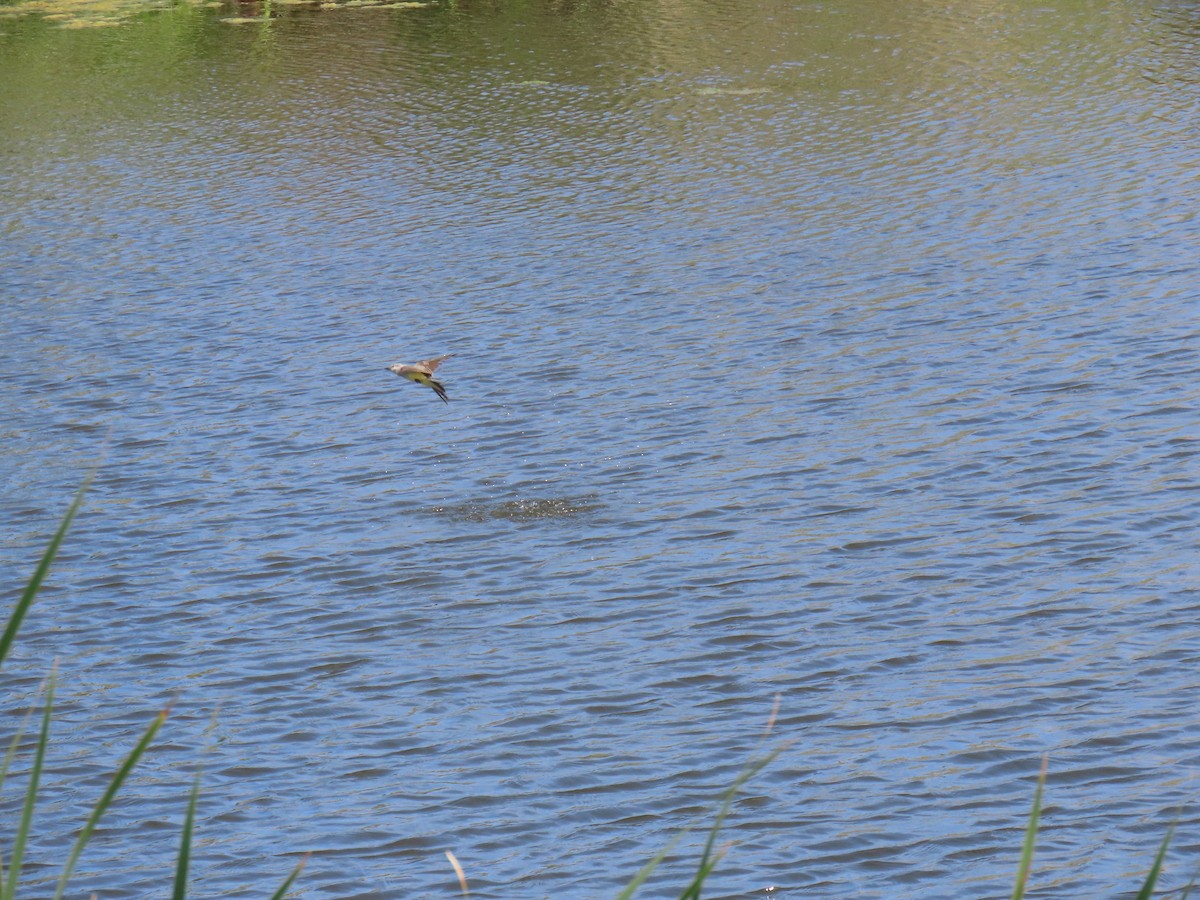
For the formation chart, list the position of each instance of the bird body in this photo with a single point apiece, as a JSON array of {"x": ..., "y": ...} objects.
[{"x": 422, "y": 373}]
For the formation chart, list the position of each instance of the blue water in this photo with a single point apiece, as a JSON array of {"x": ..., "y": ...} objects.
[{"x": 840, "y": 355}]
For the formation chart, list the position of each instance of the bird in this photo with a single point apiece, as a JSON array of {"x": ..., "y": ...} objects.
[{"x": 422, "y": 373}]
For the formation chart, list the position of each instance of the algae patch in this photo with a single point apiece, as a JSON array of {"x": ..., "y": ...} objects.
[
  {"x": 523, "y": 510},
  {"x": 77, "y": 14}
]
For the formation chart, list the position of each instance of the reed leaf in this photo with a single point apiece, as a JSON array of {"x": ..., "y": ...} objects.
[
  {"x": 185, "y": 844},
  {"x": 1147, "y": 890},
  {"x": 13, "y": 745},
  {"x": 1030, "y": 835},
  {"x": 39, "y": 574},
  {"x": 35, "y": 775},
  {"x": 648, "y": 869},
  {"x": 707, "y": 861},
  {"x": 106, "y": 800},
  {"x": 287, "y": 884},
  {"x": 692, "y": 891}
]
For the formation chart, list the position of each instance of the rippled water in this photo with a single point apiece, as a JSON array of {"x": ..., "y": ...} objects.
[{"x": 845, "y": 352}]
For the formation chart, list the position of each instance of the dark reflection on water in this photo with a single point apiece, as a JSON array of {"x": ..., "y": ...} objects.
[{"x": 845, "y": 352}]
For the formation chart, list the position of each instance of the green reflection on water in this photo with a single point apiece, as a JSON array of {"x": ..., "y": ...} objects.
[{"x": 79, "y": 14}]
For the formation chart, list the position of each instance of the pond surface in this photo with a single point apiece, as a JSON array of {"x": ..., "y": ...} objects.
[{"x": 839, "y": 352}]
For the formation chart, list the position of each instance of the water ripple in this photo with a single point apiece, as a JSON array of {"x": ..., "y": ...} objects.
[{"x": 843, "y": 353}]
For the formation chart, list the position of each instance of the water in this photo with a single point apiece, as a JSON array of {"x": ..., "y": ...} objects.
[{"x": 844, "y": 353}]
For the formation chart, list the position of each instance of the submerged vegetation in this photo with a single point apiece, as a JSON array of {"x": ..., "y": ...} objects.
[{"x": 12, "y": 858}]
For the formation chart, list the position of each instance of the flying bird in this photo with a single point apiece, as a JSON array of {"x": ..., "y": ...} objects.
[{"x": 422, "y": 373}]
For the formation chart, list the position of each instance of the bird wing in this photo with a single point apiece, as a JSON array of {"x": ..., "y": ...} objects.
[{"x": 431, "y": 364}]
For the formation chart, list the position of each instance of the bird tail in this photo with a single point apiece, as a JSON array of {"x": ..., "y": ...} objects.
[{"x": 438, "y": 389}]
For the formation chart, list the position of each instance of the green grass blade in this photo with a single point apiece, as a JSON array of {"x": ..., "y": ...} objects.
[
  {"x": 12, "y": 748},
  {"x": 39, "y": 574},
  {"x": 106, "y": 800},
  {"x": 692, "y": 891},
  {"x": 1187, "y": 891},
  {"x": 287, "y": 884},
  {"x": 648, "y": 869},
  {"x": 185, "y": 845},
  {"x": 1030, "y": 834},
  {"x": 707, "y": 861},
  {"x": 1147, "y": 890},
  {"x": 35, "y": 775},
  {"x": 7, "y": 764},
  {"x": 752, "y": 768}
]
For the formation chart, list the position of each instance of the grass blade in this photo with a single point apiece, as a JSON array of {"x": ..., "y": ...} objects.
[
  {"x": 4, "y": 767},
  {"x": 1030, "y": 834},
  {"x": 1147, "y": 890},
  {"x": 692, "y": 891},
  {"x": 39, "y": 574},
  {"x": 707, "y": 860},
  {"x": 106, "y": 800},
  {"x": 12, "y": 747},
  {"x": 35, "y": 774},
  {"x": 185, "y": 844},
  {"x": 283, "y": 888},
  {"x": 1187, "y": 891},
  {"x": 645, "y": 871}
]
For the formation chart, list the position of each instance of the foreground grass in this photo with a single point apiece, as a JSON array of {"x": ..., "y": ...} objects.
[
  {"x": 16, "y": 856},
  {"x": 1026, "y": 863},
  {"x": 14, "y": 859}
]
